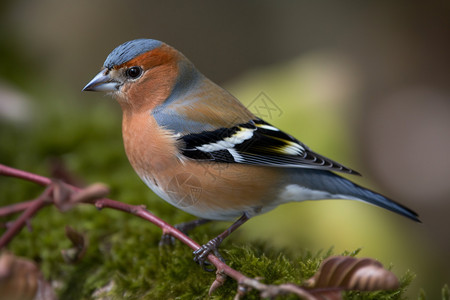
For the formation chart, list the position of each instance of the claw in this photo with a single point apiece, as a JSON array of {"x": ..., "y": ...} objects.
[{"x": 201, "y": 254}]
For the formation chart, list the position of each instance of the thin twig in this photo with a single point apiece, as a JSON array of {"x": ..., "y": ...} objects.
[
  {"x": 34, "y": 207},
  {"x": 14, "y": 208},
  {"x": 11, "y": 172}
]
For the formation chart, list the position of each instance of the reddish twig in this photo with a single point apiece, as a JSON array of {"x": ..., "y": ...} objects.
[
  {"x": 11, "y": 172},
  {"x": 33, "y": 207},
  {"x": 14, "y": 208}
]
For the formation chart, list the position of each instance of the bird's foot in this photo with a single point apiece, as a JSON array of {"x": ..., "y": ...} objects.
[{"x": 201, "y": 254}]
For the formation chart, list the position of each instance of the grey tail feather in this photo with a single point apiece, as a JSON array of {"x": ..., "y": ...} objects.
[
  {"x": 377, "y": 199},
  {"x": 384, "y": 202},
  {"x": 335, "y": 184}
]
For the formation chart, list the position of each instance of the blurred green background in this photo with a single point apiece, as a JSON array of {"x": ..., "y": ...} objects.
[{"x": 364, "y": 83}]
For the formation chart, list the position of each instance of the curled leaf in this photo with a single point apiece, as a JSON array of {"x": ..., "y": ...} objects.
[
  {"x": 79, "y": 243},
  {"x": 21, "y": 279},
  {"x": 349, "y": 273}
]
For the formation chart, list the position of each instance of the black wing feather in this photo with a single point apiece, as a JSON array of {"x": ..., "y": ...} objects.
[{"x": 266, "y": 146}]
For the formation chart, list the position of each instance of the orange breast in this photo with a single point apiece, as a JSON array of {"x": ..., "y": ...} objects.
[{"x": 208, "y": 190}]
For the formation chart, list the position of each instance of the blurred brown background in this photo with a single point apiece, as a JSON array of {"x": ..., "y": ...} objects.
[{"x": 365, "y": 83}]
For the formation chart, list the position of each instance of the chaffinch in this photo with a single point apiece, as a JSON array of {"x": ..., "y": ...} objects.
[{"x": 197, "y": 147}]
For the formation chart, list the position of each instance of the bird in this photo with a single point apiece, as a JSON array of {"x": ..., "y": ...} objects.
[{"x": 200, "y": 149}]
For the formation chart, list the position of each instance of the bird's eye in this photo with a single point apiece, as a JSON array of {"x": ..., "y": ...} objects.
[{"x": 134, "y": 72}]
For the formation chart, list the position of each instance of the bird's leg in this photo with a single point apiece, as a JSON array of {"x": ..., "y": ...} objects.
[
  {"x": 188, "y": 226},
  {"x": 202, "y": 253},
  {"x": 167, "y": 239}
]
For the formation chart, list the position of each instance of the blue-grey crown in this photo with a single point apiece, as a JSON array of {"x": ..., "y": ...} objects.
[{"x": 130, "y": 50}]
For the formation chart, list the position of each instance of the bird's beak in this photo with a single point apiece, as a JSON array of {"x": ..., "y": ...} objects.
[{"x": 102, "y": 82}]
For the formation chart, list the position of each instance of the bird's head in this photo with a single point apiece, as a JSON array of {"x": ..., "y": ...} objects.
[{"x": 140, "y": 73}]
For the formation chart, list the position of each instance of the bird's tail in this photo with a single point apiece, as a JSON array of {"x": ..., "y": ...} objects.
[{"x": 341, "y": 188}]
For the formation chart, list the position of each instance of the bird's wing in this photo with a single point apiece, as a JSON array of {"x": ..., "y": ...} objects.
[{"x": 255, "y": 143}]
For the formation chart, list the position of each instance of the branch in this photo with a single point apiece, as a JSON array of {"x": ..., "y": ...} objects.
[
  {"x": 32, "y": 207},
  {"x": 11, "y": 172}
]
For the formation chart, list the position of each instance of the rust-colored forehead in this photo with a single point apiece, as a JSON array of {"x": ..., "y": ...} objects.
[{"x": 159, "y": 56}]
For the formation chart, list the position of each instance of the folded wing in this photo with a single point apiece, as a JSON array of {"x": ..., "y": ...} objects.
[{"x": 255, "y": 143}]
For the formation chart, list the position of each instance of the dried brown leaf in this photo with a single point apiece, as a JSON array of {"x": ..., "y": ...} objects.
[
  {"x": 21, "y": 279},
  {"x": 349, "y": 273},
  {"x": 79, "y": 243}
]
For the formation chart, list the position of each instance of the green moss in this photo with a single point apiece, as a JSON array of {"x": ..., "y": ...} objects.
[{"x": 124, "y": 250}]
